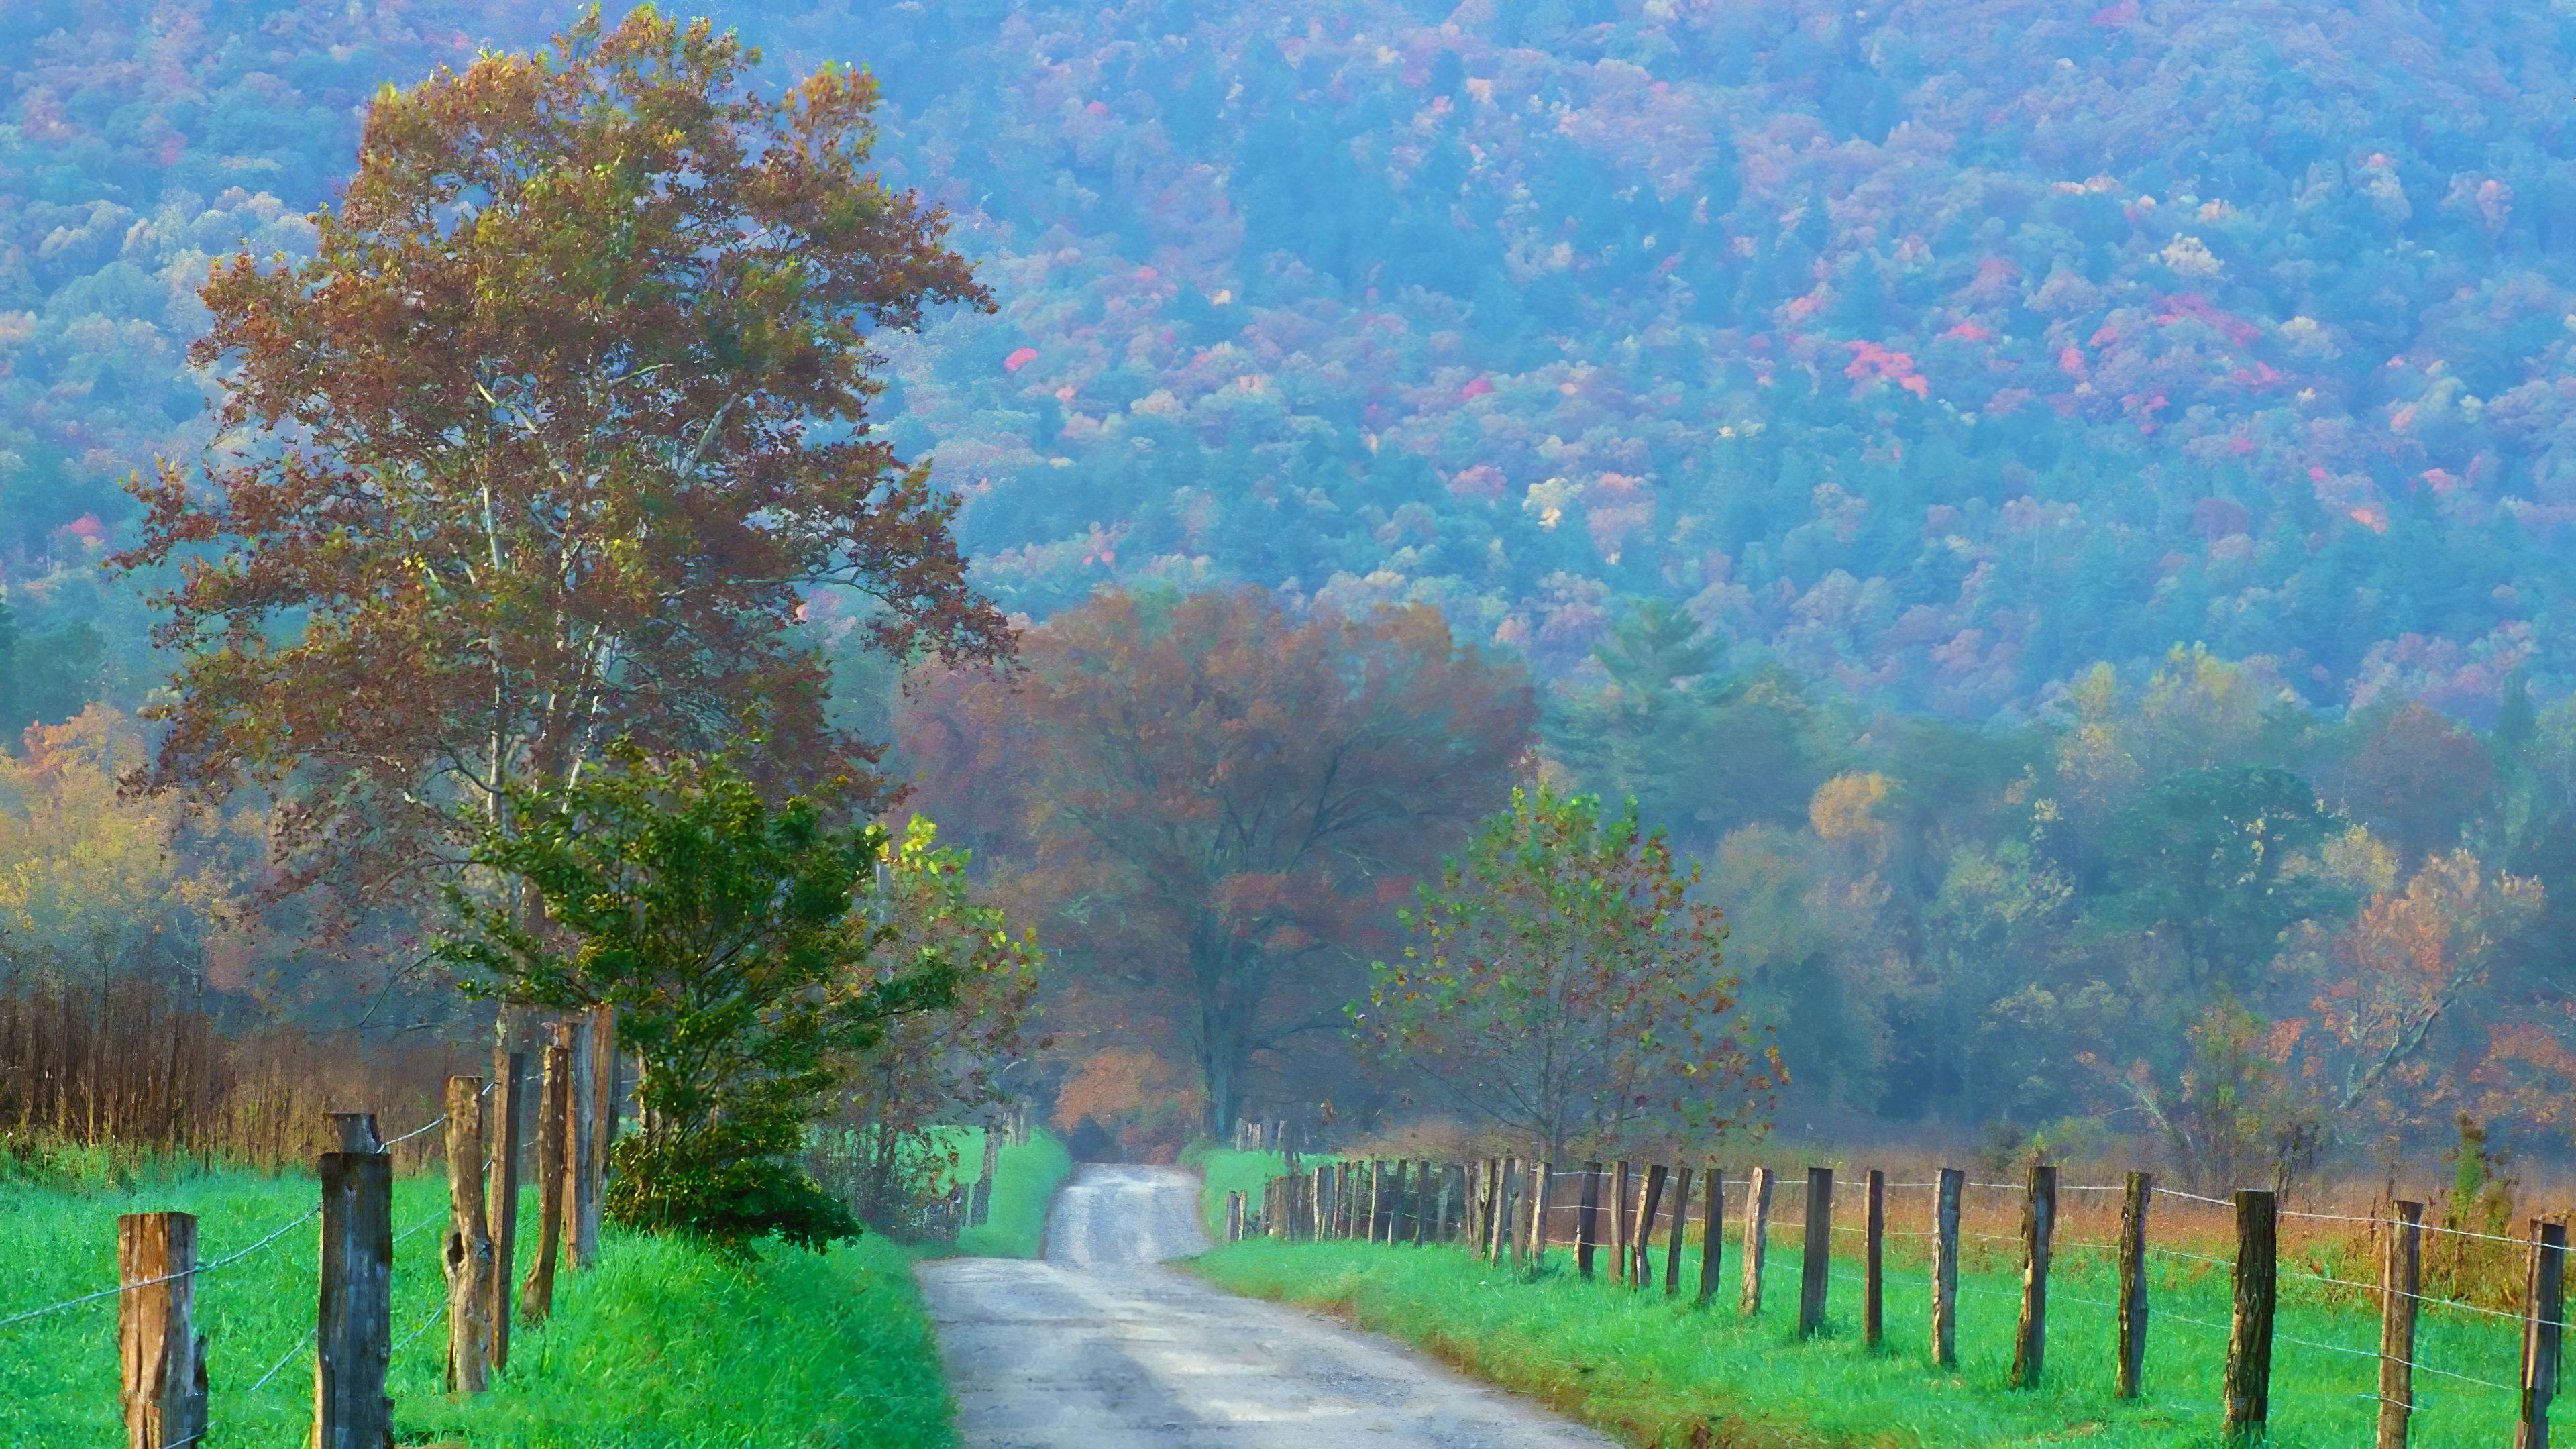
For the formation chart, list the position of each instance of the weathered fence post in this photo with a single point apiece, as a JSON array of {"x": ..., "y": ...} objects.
[
  {"x": 1652, "y": 1201},
  {"x": 2542, "y": 1305},
  {"x": 1757, "y": 1239},
  {"x": 537, "y": 1291},
  {"x": 1945, "y": 1268},
  {"x": 356, "y": 1132},
  {"x": 1587, "y": 1220},
  {"x": 1620, "y": 1222},
  {"x": 2401, "y": 1286},
  {"x": 1426, "y": 1199},
  {"x": 604, "y": 1112},
  {"x": 354, "y": 1330},
  {"x": 467, "y": 1251},
  {"x": 1542, "y": 1176},
  {"x": 2132, "y": 1366},
  {"x": 163, "y": 1355},
  {"x": 2249, "y": 1336},
  {"x": 1873, "y": 1280},
  {"x": 1234, "y": 1210},
  {"x": 1816, "y": 1252},
  {"x": 1487, "y": 1207},
  {"x": 984, "y": 1183},
  {"x": 1712, "y": 1243},
  {"x": 1514, "y": 1242},
  {"x": 1681, "y": 1225},
  {"x": 581, "y": 1149},
  {"x": 504, "y": 1213},
  {"x": 2038, "y": 1232}
]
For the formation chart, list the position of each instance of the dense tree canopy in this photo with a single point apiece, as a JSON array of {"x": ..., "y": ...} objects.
[
  {"x": 559, "y": 424},
  {"x": 1211, "y": 802}
]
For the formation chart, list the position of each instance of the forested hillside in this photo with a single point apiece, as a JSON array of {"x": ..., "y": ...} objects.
[
  {"x": 1937, "y": 351},
  {"x": 2067, "y": 513}
]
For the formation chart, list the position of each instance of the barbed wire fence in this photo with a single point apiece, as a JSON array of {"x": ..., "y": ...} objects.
[
  {"x": 1608, "y": 1218},
  {"x": 160, "y": 1270}
]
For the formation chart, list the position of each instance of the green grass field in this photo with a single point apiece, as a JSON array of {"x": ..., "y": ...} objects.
[
  {"x": 1649, "y": 1370},
  {"x": 663, "y": 1346}
]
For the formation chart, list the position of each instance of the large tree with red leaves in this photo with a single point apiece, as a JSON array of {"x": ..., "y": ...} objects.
[
  {"x": 1216, "y": 801},
  {"x": 547, "y": 442}
]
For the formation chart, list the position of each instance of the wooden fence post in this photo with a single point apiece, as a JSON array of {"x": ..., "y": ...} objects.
[
  {"x": 354, "y": 1330},
  {"x": 1757, "y": 1239},
  {"x": 1542, "y": 1178},
  {"x": 1587, "y": 1220},
  {"x": 2541, "y": 1331},
  {"x": 157, "y": 1343},
  {"x": 467, "y": 1251},
  {"x": 1619, "y": 1220},
  {"x": 1426, "y": 1199},
  {"x": 2132, "y": 1367},
  {"x": 1712, "y": 1243},
  {"x": 1381, "y": 1207},
  {"x": 603, "y": 1119},
  {"x": 1681, "y": 1225},
  {"x": 2249, "y": 1336},
  {"x": 984, "y": 1182},
  {"x": 1816, "y": 1252},
  {"x": 1651, "y": 1201},
  {"x": 1945, "y": 1268},
  {"x": 537, "y": 1291},
  {"x": 356, "y": 1132},
  {"x": 1514, "y": 1243},
  {"x": 1873, "y": 1280},
  {"x": 2038, "y": 1233},
  {"x": 1487, "y": 1207},
  {"x": 581, "y": 1146},
  {"x": 1234, "y": 1211},
  {"x": 504, "y": 1213},
  {"x": 2401, "y": 1287}
]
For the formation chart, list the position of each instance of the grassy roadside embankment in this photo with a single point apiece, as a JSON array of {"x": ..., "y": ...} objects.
[
  {"x": 1650, "y": 1370},
  {"x": 662, "y": 1346},
  {"x": 1025, "y": 1178},
  {"x": 1222, "y": 1170}
]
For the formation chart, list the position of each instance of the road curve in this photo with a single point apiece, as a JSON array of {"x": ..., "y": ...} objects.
[{"x": 1102, "y": 1347}]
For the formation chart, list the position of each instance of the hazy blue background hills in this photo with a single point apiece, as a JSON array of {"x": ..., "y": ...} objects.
[{"x": 1935, "y": 351}]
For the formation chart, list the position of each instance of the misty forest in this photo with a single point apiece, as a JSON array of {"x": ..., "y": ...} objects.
[{"x": 893, "y": 627}]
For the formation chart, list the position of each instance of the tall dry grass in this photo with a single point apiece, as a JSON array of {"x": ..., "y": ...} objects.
[{"x": 135, "y": 1065}]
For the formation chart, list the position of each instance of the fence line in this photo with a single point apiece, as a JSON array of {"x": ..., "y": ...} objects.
[
  {"x": 163, "y": 1366},
  {"x": 1513, "y": 1211}
]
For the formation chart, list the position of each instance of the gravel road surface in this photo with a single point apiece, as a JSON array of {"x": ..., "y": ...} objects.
[{"x": 1101, "y": 1347}]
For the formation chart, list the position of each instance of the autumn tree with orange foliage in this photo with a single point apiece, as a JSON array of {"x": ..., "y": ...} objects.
[
  {"x": 1209, "y": 802},
  {"x": 549, "y": 439}
]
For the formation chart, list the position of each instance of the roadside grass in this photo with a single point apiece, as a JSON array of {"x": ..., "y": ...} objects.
[
  {"x": 1223, "y": 1170},
  {"x": 667, "y": 1346},
  {"x": 1650, "y": 1370},
  {"x": 662, "y": 1346},
  {"x": 1025, "y": 1178}
]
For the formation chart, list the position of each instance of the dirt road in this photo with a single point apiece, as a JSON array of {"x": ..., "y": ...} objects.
[{"x": 1101, "y": 1347}]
